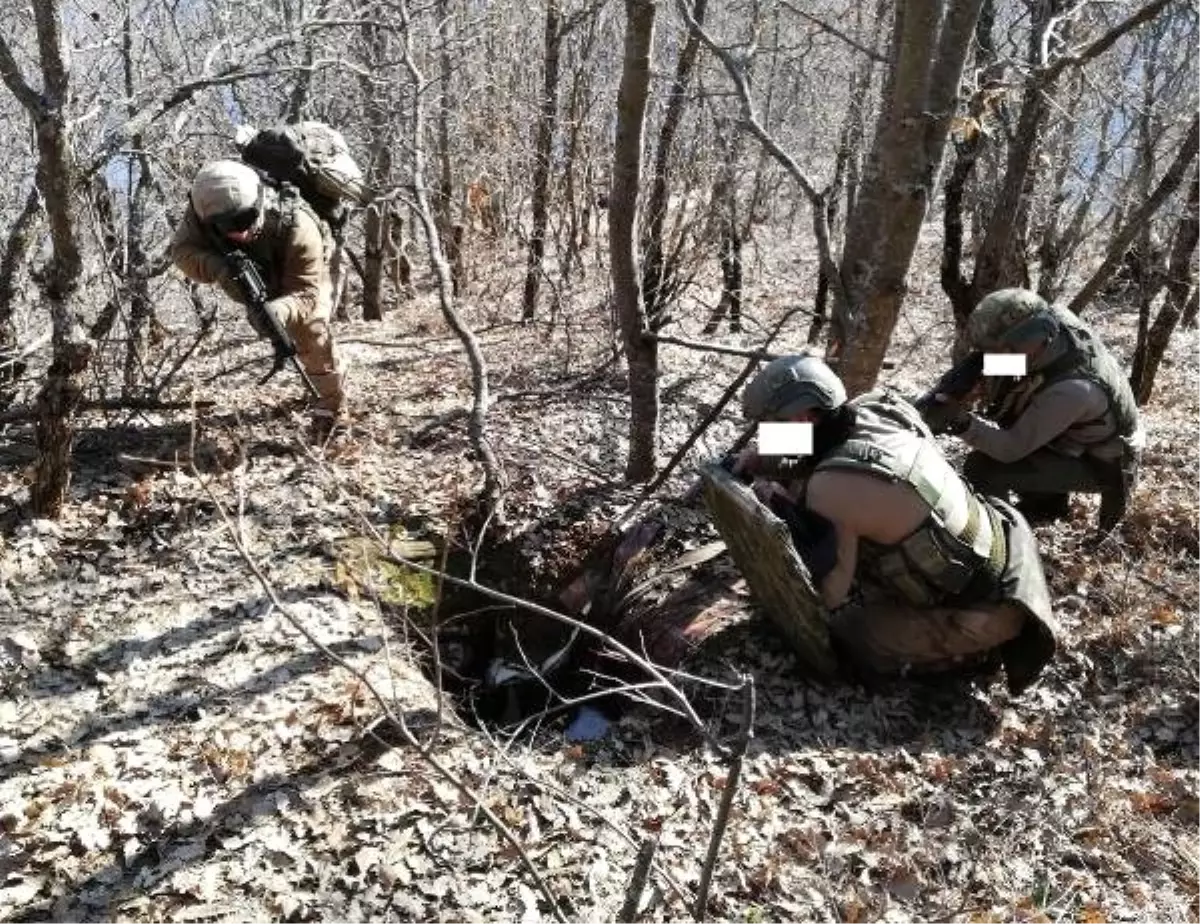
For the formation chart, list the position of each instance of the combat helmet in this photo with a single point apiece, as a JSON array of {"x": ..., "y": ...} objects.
[
  {"x": 227, "y": 194},
  {"x": 1011, "y": 316},
  {"x": 791, "y": 384}
]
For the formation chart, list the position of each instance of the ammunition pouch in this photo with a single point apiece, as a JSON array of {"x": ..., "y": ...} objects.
[{"x": 933, "y": 567}]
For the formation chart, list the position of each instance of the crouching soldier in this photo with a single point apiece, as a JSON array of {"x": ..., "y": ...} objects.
[
  {"x": 231, "y": 208},
  {"x": 1069, "y": 424},
  {"x": 923, "y": 575}
]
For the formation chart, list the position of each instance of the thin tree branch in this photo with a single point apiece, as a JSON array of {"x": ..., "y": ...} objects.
[
  {"x": 1105, "y": 42},
  {"x": 10, "y": 72},
  {"x": 731, "y": 784},
  {"x": 737, "y": 73},
  {"x": 723, "y": 349},
  {"x": 837, "y": 33},
  {"x": 637, "y": 882}
]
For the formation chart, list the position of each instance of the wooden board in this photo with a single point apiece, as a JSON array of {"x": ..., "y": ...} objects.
[{"x": 761, "y": 546}]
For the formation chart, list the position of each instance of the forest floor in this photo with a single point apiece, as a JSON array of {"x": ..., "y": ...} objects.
[{"x": 171, "y": 748}]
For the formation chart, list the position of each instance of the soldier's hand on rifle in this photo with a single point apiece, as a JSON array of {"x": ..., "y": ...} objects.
[{"x": 946, "y": 415}]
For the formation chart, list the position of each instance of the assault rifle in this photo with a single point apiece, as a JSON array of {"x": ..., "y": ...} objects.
[
  {"x": 249, "y": 280},
  {"x": 954, "y": 383}
]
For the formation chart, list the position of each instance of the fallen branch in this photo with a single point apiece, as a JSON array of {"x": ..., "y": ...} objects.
[
  {"x": 723, "y": 349},
  {"x": 637, "y": 882},
  {"x": 112, "y": 404},
  {"x": 730, "y": 790}
]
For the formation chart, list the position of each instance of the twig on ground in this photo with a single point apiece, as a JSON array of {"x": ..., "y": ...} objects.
[
  {"x": 637, "y": 882},
  {"x": 730, "y": 790}
]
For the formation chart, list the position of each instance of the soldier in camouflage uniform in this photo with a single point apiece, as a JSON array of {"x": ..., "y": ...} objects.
[
  {"x": 922, "y": 574},
  {"x": 290, "y": 246},
  {"x": 1070, "y": 424}
]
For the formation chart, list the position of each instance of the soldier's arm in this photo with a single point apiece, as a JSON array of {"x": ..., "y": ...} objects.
[
  {"x": 1049, "y": 415},
  {"x": 197, "y": 259},
  {"x": 838, "y": 510},
  {"x": 193, "y": 254},
  {"x": 300, "y": 282}
]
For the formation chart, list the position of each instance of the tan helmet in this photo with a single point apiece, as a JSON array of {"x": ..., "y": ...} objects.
[
  {"x": 1009, "y": 317},
  {"x": 224, "y": 189},
  {"x": 791, "y": 384}
]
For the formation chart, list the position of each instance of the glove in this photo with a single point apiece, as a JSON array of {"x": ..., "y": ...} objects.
[{"x": 946, "y": 415}]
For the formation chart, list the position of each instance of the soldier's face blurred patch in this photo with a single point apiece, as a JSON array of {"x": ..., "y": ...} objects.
[
  {"x": 1007, "y": 364},
  {"x": 785, "y": 438}
]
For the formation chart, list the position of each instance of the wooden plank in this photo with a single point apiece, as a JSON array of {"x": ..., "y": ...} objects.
[{"x": 761, "y": 546}]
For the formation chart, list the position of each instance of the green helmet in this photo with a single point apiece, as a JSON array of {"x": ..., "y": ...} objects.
[
  {"x": 1011, "y": 316},
  {"x": 791, "y": 384}
]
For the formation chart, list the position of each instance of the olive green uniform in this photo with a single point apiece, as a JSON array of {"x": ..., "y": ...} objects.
[
  {"x": 1070, "y": 424},
  {"x": 965, "y": 584}
]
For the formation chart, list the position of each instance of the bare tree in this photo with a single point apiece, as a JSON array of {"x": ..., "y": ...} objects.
[
  {"x": 641, "y": 352},
  {"x": 659, "y": 269},
  {"x": 477, "y": 418},
  {"x": 928, "y": 49},
  {"x": 1181, "y": 288},
  {"x": 59, "y": 398},
  {"x": 1170, "y": 182},
  {"x": 1001, "y": 257},
  {"x": 542, "y": 157}
]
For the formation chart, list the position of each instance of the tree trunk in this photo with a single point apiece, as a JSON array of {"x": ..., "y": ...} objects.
[
  {"x": 845, "y": 170},
  {"x": 380, "y": 120},
  {"x": 445, "y": 197},
  {"x": 1179, "y": 284},
  {"x": 656, "y": 269},
  {"x": 641, "y": 353},
  {"x": 62, "y": 392},
  {"x": 16, "y": 250},
  {"x": 374, "y": 249},
  {"x": 137, "y": 281},
  {"x": 929, "y": 46},
  {"x": 542, "y": 157}
]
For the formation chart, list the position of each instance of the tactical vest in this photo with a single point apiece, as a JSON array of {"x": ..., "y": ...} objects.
[
  {"x": 959, "y": 552},
  {"x": 269, "y": 249},
  {"x": 1086, "y": 358}
]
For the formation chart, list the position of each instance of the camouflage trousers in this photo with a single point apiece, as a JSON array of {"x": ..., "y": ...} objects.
[
  {"x": 1045, "y": 476},
  {"x": 318, "y": 354}
]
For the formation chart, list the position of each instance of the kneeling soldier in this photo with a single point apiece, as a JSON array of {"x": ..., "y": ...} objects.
[
  {"x": 926, "y": 576},
  {"x": 1069, "y": 424}
]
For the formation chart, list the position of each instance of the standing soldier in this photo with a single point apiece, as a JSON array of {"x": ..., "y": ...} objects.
[
  {"x": 919, "y": 574},
  {"x": 1069, "y": 424},
  {"x": 231, "y": 208}
]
